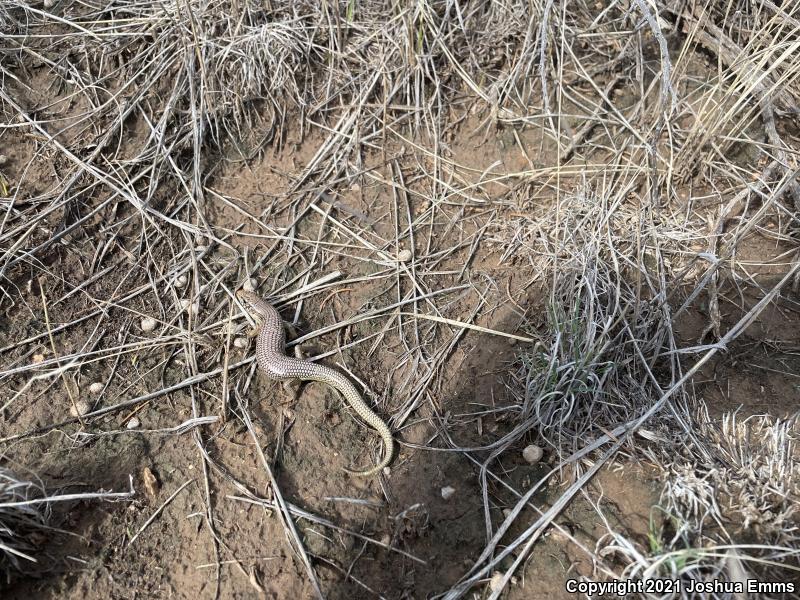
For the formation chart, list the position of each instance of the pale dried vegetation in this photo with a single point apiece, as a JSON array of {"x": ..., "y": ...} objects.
[{"x": 658, "y": 144}]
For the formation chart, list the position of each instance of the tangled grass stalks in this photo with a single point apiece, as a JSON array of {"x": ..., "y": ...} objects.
[
  {"x": 727, "y": 513},
  {"x": 719, "y": 569},
  {"x": 749, "y": 483},
  {"x": 727, "y": 510},
  {"x": 605, "y": 356},
  {"x": 165, "y": 89},
  {"x": 19, "y": 520},
  {"x": 26, "y": 511}
]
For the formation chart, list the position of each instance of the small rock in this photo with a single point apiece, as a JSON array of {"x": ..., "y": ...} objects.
[
  {"x": 240, "y": 342},
  {"x": 149, "y": 324},
  {"x": 96, "y": 387},
  {"x": 37, "y": 358},
  {"x": 3, "y": 159},
  {"x": 79, "y": 408},
  {"x": 404, "y": 255},
  {"x": 496, "y": 582},
  {"x": 249, "y": 285},
  {"x": 133, "y": 423},
  {"x": 386, "y": 539},
  {"x": 191, "y": 308},
  {"x": 181, "y": 281},
  {"x": 49, "y": 3},
  {"x": 533, "y": 454},
  {"x": 447, "y": 492}
]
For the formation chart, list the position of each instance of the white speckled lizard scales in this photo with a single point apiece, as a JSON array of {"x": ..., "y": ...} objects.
[{"x": 271, "y": 357}]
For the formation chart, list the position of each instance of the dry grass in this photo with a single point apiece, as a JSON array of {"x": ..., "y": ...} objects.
[
  {"x": 26, "y": 512},
  {"x": 657, "y": 145}
]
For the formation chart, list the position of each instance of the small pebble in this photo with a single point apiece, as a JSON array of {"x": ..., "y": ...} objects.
[
  {"x": 181, "y": 281},
  {"x": 386, "y": 539},
  {"x": 96, "y": 387},
  {"x": 49, "y": 3},
  {"x": 133, "y": 423},
  {"x": 190, "y": 307},
  {"x": 79, "y": 408},
  {"x": 405, "y": 255},
  {"x": 37, "y": 358},
  {"x": 240, "y": 342},
  {"x": 149, "y": 324},
  {"x": 3, "y": 159},
  {"x": 533, "y": 454},
  {"x": 249, "y": 285},
  {"x": 447, "y": 492},
  {"x": 496, "y": 582}
]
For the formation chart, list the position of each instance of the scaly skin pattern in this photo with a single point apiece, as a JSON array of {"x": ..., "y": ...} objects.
[{"x": 271, "y": 357}]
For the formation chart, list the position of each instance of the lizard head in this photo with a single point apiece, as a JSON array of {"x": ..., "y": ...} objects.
[{"x": 252, "y": 302}]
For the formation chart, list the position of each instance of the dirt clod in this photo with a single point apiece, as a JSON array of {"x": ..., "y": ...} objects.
[{"x": 151, "y": 485}]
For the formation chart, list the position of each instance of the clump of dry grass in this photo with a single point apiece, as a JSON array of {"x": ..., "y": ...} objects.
[
  {"x": 748, "y": 481},
  {"x": 605, "y": 354},
  {"x": 26, "y": 511},
  {"x": 19, "y": 519},
  {"x": 727, "y": 511}
]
